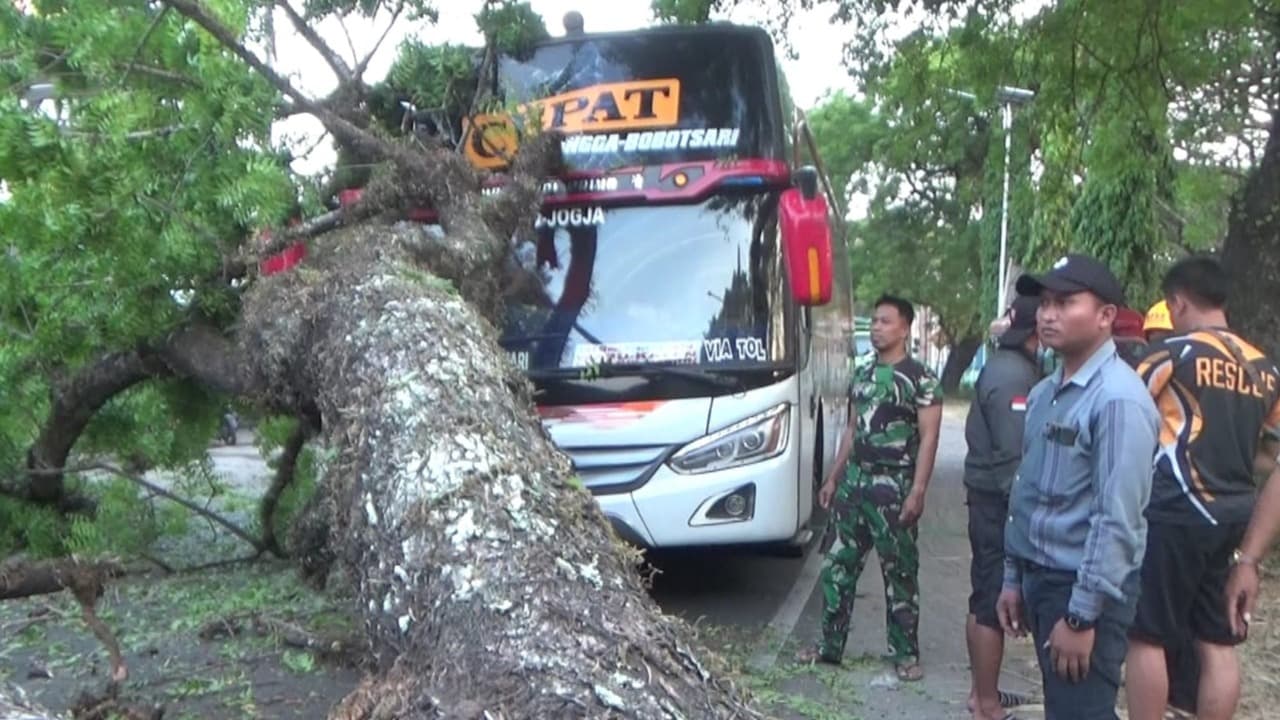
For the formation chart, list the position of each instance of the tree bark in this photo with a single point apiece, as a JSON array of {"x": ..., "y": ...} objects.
[
  {"x": 487, "y": 581},
  {"x": 958, "y": 360},
  {"x": 1251, "y": 252}
]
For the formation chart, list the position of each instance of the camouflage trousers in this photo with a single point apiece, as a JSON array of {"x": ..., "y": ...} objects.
[{"x": 865, "y": 514}]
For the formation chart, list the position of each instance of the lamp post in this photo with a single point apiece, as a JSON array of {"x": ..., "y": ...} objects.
[{"x": 1009, "y": 96}]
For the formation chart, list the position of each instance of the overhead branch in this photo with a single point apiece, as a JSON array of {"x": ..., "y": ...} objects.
[
  {"x": 308, "y": 33},
  {"x": 142, "y": 42},
  {"x": 363, "y": 64},
  {"x": 343, "y": 129},
  {"x": 157, "y": 73},
  {"x": 74, "y": 403},
  {"x": 195, "y": 11},
  {"x": 162, "y": 132}
]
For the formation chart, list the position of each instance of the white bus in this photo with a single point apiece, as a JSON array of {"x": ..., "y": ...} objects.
[{"x": 686, "y": 311}]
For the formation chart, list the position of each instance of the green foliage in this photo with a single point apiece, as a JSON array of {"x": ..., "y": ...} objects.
[
  {"x": 512, "y": 27},
  {"x": 685, "y": 12},
  {"x": 126, "y": 193},
  {"x": 417, "y": 9},
  {"x": 435, "y": 76},
  {"x": 1121, "y": 90},
  {"x": 1115, "y": 221},
  {"x": 299, "y": 662},
  {"x": 125, "y": 524}
]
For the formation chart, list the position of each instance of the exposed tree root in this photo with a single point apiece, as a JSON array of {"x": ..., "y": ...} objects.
[
  {"x": 283, "y": 478},
  {"x": 287, "y": 633}
]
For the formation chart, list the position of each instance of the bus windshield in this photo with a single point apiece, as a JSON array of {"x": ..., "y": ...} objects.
[
  {"x": 698, "y": 285},
  {"x": 651, "y": 99}
]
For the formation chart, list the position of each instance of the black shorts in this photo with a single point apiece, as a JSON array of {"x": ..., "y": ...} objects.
[
  {"x": 1184, "y": 578},
  {"x": 987, "y": 513}
]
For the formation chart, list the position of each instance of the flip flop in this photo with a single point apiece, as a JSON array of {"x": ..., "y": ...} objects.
[{"x": 909, "y": 672}]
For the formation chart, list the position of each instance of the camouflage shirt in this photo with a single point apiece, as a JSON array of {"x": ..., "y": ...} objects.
[{"x": 886, "y": 400}]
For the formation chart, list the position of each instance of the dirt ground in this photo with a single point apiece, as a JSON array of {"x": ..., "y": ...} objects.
[{"x": 172, "y": 628}]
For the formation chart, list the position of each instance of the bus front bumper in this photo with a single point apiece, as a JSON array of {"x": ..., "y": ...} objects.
[{"x": 757, "y": 503}]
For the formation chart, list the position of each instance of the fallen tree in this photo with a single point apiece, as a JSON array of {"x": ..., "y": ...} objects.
[
  {"x": 487, "y": 579},
  {"x": 488, "y": 582}
]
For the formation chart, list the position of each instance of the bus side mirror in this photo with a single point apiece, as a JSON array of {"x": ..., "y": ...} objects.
[
  {"x": 806, "y": 241},
  {"x": 806, "y": 179}
]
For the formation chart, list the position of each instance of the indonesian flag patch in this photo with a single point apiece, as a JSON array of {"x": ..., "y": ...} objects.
[{"x": 1019, "y": 403}]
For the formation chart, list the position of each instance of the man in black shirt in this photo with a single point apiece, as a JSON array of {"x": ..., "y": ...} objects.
[
  {"x": 1219, "y": 401},
  {"x": 993, "y": 432}
]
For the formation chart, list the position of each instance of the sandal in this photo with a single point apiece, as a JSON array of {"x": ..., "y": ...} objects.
[
  {"x": 1012, "y": 700},
  {"x": 812, "y": 655},
  {"x": 909, "y": 672}
]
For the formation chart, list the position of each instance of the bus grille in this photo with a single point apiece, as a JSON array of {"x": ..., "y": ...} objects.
[{"x": 607, "y": 470}]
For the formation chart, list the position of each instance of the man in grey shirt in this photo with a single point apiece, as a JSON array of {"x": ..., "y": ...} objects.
[
  {"x": 1076, "y": 534},
  {"x": 993, "y": 432}
]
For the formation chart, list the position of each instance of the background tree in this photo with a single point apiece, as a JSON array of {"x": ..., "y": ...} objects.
[{"x": 1148, "y": 119}]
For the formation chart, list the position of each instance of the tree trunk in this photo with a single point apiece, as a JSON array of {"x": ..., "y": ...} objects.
[
  {"x": 487, "y": 580},
  {"x": 1251, "y": 252},
  {"x": 958, "y": 361}
]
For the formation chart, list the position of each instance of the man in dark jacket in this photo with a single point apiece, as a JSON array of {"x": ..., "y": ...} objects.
[{"x": 993, "y": 432}]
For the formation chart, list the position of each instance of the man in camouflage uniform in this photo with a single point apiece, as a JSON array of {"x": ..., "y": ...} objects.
[{"x": 893, "y": 440}]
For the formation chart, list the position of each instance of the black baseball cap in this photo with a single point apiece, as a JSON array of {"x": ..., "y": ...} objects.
[
  {"x": 1023, "y": 322},
  {"x": 1073, "y": 274}
]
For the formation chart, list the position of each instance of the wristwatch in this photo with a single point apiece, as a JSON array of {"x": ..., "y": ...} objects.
[
  {"x": 1079, "y": 624},
  {"x": 1239, "y": 558}
]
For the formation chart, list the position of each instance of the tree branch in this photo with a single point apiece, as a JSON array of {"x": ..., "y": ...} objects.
[
  {"x": 86, "y": 582},
  {"x": 155, "y": 489},
  {"x": 142, "y": 42},
  {"x": 339, "y": 66},
  {"x": 195, "y": 11},
  {"x": 364, "y": 63},
  {"x": 74, "y": 404},
  {"x": 344, "y": 130},
  {"x": 199, "y": 351},
  {"x": 158, "y": 73}
]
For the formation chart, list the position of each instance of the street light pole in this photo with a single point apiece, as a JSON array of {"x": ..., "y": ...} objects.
[
  {"x": 1003, "y": 281},
  {"x": 1009, "y": 96}
]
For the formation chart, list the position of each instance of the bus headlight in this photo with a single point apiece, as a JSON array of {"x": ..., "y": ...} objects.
[{"x": 757, "y": 438}]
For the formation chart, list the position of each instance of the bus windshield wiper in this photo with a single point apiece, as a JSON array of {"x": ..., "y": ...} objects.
[{"x": 706, "y": 377}]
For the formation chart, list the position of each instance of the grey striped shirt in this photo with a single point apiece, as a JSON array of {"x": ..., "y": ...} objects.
[{"x": 1077, "y": 501}]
